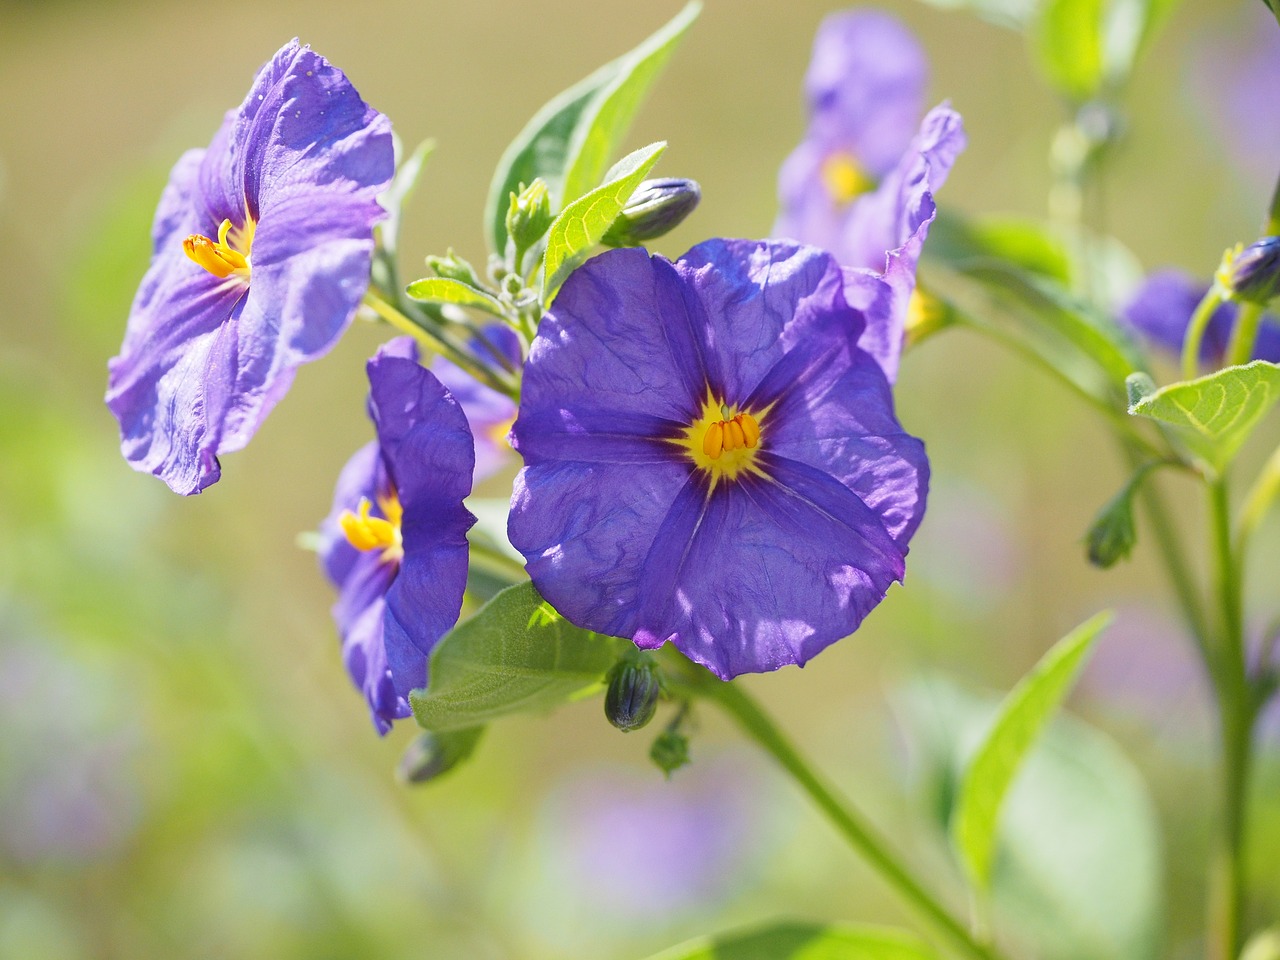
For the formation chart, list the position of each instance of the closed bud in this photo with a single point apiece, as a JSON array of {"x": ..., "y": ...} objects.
[
  {"x": 632, "y": 697},
  {"x": 433, "y": 754},
  {"x": 656, "y": 208},
  {"x": 1113, "y": 534},
  {"x": 528, "y": 217},
  {"x": 670, "y": 751},
  {"x": 1252, "y": 273},
  {"x": 453, "y": 267}
]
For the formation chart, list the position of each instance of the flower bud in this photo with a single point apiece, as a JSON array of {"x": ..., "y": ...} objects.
[
  {"x": 1113, "y": 534},
  {"x": 632, "y": 697},
  {"x": 528, "y": 217},
  {"x": 433, "y": 754},
  {"x": 670, "y": 751},
  {"x": 453, "y": 267},
  {"x": 1252, "y": 273},
  {"x": 657, "y": 207}
]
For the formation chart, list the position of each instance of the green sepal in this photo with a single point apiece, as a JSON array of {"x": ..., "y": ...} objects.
[
  {"x": 453, "y": 267},
  {"x": 516, "y": 654}
]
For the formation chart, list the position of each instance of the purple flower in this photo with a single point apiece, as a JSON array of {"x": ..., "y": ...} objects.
[
  {"x": 710, "y": 458},
  {"x": 395, "y": 542},
  {"x": 1162, "y": 309},
  {"x": 261, "y": 253},
  {"x": 489, "y": 412},
  {"x": 861, "y": 182}
]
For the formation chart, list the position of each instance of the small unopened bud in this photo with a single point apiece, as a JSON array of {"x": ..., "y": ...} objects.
[
  {"x": 657, "y": 207},
  {"x": 1252, "y": 273},
  {"x": 1113, "y": 534},
  {"x": 453, "y": 267},
  {"x": 632, "y": 697},
  {"x": 670, "y": 751},
  {"x": 433, "y": 754},
  {"x": 528, "y": 217}
]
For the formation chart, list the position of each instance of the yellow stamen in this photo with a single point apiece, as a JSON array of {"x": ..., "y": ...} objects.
[
  {"x": 365, "y": 532},
  {"x": 845, "y": 180},
  {"x": 227, "y": 255},
  {"x": 723, "y": 441}
]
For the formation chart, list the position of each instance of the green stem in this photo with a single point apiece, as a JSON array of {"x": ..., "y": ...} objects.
[
  {"x": 441, "y": 343},
  {"x": 1195, "y": 332},
  {"x": 1258, "y": 502},
  {"x": 1236, "y": 710},
  {"x": 1244, "y": 335},
  {"x": 860, "y": 835}
]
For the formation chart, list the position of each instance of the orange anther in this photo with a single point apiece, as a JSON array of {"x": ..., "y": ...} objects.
[
  {"x": 750, "y": 429},
  {"x": 713, "y": 440},
  {"x": 734, "y": 438}
]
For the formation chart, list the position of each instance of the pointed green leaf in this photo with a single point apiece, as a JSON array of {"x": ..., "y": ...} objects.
[
  {"x": 605, "y": 123},
  {"x": 804, "y": 941},
  {"x": 401, "y": 189},
  {"x": 575, "y": 133},
  {"x": 585, "y": 221},
  {"x": 1214, "y": 414},
  {"x": 447, "y": 290},
  {"x": 1066, "y": 40},
  {"x": 516, "y": 654},
  {"x": 1021, "y": 718}
]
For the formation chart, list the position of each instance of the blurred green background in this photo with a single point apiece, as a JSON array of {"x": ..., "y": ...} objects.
[{"x": 184, "y": 769}]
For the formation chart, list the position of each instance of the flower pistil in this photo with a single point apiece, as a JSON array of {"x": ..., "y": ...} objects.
[{"x": 226, "y": 256}]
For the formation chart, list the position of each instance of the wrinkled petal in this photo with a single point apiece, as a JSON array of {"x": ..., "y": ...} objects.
[
  {"x": 304, "y": 157},
  {"x": 624, "y": 534},
  {"x": 1161, "y": 311}
]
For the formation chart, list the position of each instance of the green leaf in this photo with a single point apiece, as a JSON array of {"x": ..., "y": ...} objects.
[
  {"x": 804, "y": 941},
  {"x": 516, "y": 654},
  {"x": 1022, "y": 716},
  {"x": 1079, "y": 876},
  {"x": 447, "y": 290},
  {"x": 585, "y": 221},
  {"x": 967, "y": 243},
  {"x": 1066, "y": 40},
  {"x": 570, "y": 131},
  {"x": 604, "y": 124},
  {"x": 1214, "y": 414}
]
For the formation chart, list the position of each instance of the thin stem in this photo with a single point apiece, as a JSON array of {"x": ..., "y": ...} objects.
[
  {"x": 860, "y": 835},
  {"x": 1244, "y": 335},
  {"x": 1236, "y": 712},
  {"x": 440, "y": 343},
  {"x": 1258, "y": 501},
  {"x": 1195, "y": 332}
]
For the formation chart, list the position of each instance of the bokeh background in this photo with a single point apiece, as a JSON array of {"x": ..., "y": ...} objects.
[{"x": 184, "y": 770}]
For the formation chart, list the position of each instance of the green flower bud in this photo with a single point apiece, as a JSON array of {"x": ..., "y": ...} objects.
[
  {"x": 670, "y": 751},
  {"x": 632, "y": 697},
  {"x": 1113, "y": 534},
  {"x": 453, "y": 267},
  {"x": 657, "y": 207},
  {"x": 433, "y": 754},
  {"x": 528, "y": 217}
]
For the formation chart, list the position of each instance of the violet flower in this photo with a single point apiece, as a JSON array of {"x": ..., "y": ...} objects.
[
  {"x": 261, "y": 252},
  {"x": 395, "y": 542},
  {"x": 710, "y": 459},
  {"x": 489, "y": 412},
  {"x": 861, "y": 182},
  {"x": 1161, "y": 311}
]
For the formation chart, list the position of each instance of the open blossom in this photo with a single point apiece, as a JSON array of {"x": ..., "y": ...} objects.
[
  {"x": 861, "y": 183},
  {"x": 1161, "y": 311},
  {"x": 261, "y": 252},
  {"x": 395, "y": 542},
  {"x": 710, "y": 459}
]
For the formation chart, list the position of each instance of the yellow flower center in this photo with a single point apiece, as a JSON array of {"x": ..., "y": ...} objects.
[
  {"x": 226, "y": 256},
  {"x": 376, "y": 533},
  {"x": 723, "y": 441},
  {"x": 845, "y": 180}
]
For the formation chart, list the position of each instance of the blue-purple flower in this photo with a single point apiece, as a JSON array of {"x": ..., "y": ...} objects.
[
  {"x": 861, "y": 182},
  {"x": 261, "y": 252},
  {"x": 1162, "y": 309},
  {"x": 395, "y": 541},
  {"x": 489, "y": 412},
  {"x": 710, "y": 459}
]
